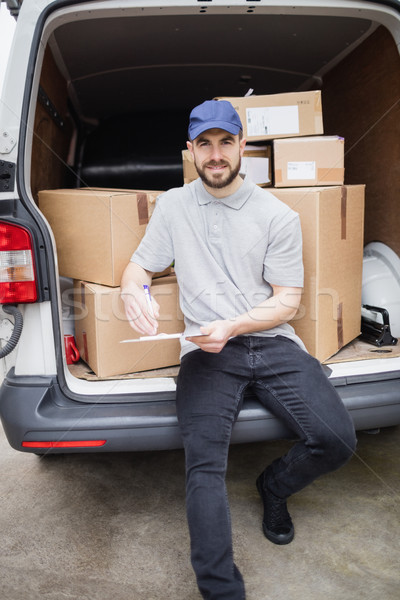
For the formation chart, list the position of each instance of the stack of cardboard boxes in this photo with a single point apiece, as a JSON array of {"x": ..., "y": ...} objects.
[
  {"x": 331, "y": 213},
  {"x": 96, "y": 232}
]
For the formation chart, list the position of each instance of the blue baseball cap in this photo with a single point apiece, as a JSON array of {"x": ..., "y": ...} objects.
[{"x": 218, "y": 114}]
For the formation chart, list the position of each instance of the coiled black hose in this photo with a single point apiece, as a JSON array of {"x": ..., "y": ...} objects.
[{"x": 11, "y": 309}]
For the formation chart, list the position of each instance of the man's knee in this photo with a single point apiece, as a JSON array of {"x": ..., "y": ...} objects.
[
  {"x": 206, "y": 443},
  {"x": 339, "y": 446}
]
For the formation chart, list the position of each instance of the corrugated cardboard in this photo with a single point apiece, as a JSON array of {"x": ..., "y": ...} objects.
[
  {"x": 307, "y": 161},
  {"x": 332, "y": 220},
  {"x": 279, "y": 115},
  {"x": 96, "y": 231},
  {"x": 256, "y": 164},
  {"x": 189, "y": 170},
  {"x": 101, "y": 324}
]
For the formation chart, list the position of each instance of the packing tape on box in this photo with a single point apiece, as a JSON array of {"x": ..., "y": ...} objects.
[
  {"x": 85, "y": 347},
  {"x": 83, "y": 302},
  {"x": 85, "y": 353},
  {"x": 323, "y": 176},
  {"x": 330, "y": 174},
  {"x": 142, "y": 208},
  {"x": 340, "y": 325},
  {"x": 344, "y": 212},
  {"x": 318, "y": 121}
]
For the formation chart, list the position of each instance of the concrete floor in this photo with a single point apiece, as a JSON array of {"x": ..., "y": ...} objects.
[{"x": 112, "y": 527}]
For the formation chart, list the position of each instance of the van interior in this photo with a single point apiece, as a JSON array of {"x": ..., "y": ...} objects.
[{"x": 112, "y": 107}]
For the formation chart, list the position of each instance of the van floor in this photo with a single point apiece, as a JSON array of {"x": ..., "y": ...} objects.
[
  {"x": 112, "y": 526},
  {"x": 354, "y": 351}
]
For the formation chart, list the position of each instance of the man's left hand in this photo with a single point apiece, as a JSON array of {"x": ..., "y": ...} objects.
[{"x": 214, "y": 336}]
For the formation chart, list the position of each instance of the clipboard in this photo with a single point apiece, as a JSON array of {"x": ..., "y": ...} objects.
[{"x": 158, "y": 337}]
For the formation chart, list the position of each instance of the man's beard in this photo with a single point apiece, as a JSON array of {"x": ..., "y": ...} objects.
[{"x": 226, "y": 177}]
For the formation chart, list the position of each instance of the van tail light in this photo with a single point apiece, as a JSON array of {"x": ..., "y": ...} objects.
[
  {"x": 17, "y": 266},
  {"x": 65, "y": 444}
]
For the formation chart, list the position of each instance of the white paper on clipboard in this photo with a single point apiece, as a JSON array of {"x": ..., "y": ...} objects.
[
  {"x": 153, "y": 338},
  {"x": 159, "y": 337}
]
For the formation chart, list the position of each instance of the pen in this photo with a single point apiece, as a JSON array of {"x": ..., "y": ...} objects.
[{"x": 148, "y": 299}]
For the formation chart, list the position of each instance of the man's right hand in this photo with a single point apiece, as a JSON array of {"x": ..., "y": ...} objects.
[
  {"x": 137, "y": 311},
  {"x": 136, "y": 307}
]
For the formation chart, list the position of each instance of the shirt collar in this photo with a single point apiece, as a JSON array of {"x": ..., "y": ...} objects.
[{"x": 234, "y": 201}]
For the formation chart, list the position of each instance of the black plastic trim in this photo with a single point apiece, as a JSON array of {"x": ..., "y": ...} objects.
[
  {"x": 365, "y": 378},
  {"x": 7, "y": 176},
  {"x": 395, "y": 4}
]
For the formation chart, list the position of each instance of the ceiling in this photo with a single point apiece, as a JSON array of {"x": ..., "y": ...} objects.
[{"x": 141, "y": 63}]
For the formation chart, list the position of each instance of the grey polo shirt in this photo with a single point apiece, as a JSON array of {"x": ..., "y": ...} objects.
[{"x": 226, "y": 251}]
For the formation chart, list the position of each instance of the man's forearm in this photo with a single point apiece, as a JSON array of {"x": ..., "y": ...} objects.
[
  {"x": 278, "y": 309},
  {"x": 134, "y": 275}
]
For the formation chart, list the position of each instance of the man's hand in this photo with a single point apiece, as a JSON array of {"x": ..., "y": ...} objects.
[
  {"x": 215, "y": 336},
  {"x": 138, "y": 311}
]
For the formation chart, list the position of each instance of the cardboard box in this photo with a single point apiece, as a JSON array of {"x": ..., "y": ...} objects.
[
  {"x": 101, "y": 324},
  {"x": 332, "y": 220},
  {"x": 96, "y": 231},
  {"x": 317, "y": 160},
  {"x": 256, "y": 163},
  {"x": 279, "y": 115},
  {"x": 189, "y": 170}
]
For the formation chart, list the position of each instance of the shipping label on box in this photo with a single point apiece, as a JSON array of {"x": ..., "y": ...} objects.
[
  {"x": 101, "y": 325},
  {"x": 96, "y": 230},
  {"x": 332, "y": 222},
  {"x": 316, "y": 160},
  {"x": 273, "y": 116},
  {"x": 272, "y": 120},
  {"x": 301, "y": 170}
]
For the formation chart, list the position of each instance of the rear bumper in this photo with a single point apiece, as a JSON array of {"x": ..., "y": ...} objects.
[{"x": 36, "y": 409}]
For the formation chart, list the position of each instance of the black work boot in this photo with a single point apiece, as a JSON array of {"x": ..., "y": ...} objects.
[{"x": 277, "y": 524}]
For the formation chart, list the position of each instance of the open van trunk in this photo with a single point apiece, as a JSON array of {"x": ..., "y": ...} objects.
[{"x": 107, "y": 106}]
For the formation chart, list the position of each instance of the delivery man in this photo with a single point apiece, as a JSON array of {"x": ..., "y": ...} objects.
[{"x": 238, "y": 261}]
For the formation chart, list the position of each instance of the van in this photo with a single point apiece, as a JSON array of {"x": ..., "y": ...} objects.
[{"x": 97, "y": 97}]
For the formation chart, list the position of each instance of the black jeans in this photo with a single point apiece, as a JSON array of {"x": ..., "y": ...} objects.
[{"x": 293, "y": 386}]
